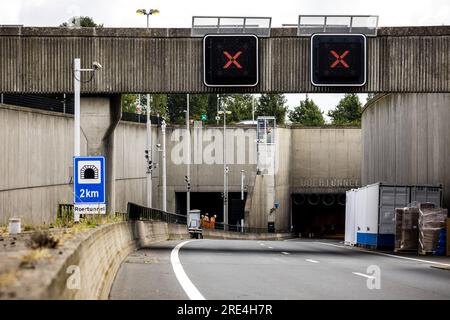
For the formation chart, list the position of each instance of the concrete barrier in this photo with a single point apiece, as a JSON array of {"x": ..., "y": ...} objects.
[
  {"x": 220, "y": 234},
  {"x": 85, "y": 266}
]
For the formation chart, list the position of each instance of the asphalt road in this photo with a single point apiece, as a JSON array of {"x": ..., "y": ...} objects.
[{"x": 299, "y": 269}]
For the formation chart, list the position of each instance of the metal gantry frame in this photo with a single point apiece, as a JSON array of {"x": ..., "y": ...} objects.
[
  {"x": 259, "y": 26},
  {"x": 363, "y": 24}
]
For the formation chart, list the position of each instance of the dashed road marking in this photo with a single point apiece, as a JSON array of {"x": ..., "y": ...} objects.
[
  {"x": 284, "y": 252},
  {"x": 312, "y": 261},
  {"x": 363, "y": 275},
  {"x": 270, "y": 247},
  {"x": 387, "y": 254}
]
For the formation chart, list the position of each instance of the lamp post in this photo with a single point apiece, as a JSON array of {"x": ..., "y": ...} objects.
[
  {"x": 149, "y": 152},
  {"x": 225, "y": 168},
  {"x": 77, "y": 110}
]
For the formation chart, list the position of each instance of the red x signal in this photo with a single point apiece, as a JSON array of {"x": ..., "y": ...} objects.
[
  {"x": 232, "y": 60},
  {"x": 339, "y": 59}
]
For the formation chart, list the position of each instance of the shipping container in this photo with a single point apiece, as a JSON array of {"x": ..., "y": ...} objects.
[{"x": 370, "y": 215}]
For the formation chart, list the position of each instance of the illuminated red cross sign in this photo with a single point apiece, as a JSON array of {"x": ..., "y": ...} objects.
[
  {"x": 232, "y": 60},
  {"x": 339, "y": 59}
]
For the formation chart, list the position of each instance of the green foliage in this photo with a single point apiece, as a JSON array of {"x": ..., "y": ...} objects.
[
  {"x": 240, "y": 106},
  {"x": 83, "y": 21},
  {"x": 307, "y": 114},
  {"x": 272, "y": 104},
  {"x": 347, "y": 112},
  {"x": 158, "y": 107}
]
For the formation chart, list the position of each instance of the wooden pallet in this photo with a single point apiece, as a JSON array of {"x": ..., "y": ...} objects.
[{"x": 398, "y": 250}]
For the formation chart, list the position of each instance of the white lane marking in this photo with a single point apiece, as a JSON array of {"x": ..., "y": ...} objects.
[
  {"x": 363, "y": 275},
  {"x": 312, "y": 261},
  {"x": 270, "y": 247},
  {"x": 284, "y": 252},
  {"x": 262, "y": 244},
  {"x": 388, "y": 255},
  {"x": 294, "y": 239},
  {"x": 187, "y": 285}
]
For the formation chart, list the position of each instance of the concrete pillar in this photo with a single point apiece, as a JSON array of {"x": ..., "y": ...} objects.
[{"x": 99, "y": 118}]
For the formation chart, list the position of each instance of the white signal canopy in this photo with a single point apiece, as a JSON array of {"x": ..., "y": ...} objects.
[
  {"x": 203, "y": 25},
  {"x": 360, "y": 24}
]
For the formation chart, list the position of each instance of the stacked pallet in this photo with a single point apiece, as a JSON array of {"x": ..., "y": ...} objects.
[{"x": 431, "y": 221}]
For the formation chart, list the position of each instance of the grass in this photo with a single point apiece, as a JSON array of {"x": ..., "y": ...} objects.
[
  {"x": 7, "y": 278},
  {"x": 29, "y": 259}
]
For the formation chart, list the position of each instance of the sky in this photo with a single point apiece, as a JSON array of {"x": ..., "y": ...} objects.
[{"x": 178, "y": 13}]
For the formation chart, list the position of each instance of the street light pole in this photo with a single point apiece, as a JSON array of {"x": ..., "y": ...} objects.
[
  {"x": 77, "y": 116},
  {"x": 149, "y": 152},
  {"x": 77, "y": 109}
]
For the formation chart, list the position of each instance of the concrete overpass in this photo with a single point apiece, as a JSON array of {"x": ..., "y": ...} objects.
[{"x": 40, "y": 60}]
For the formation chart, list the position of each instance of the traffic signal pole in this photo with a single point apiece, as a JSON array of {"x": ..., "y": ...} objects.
[{"x": 188, "y": 159}]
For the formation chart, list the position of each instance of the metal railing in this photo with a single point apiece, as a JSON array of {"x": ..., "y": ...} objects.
[
  {"x": 203, "y": 25},
  {"x": 239, "y": 228},
  {"x": 310, "y": 24},
  {"x": 137, "y": 212}
]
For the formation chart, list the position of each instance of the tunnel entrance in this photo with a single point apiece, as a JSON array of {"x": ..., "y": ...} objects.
[
  {"x": 319, "y": 215},
  {"x": 212, "y": 203}
]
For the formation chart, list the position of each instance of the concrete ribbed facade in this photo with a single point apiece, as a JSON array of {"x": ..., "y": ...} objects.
[
  {"x": 40, "y": 60},
  {"x": 406, "y": 140}
]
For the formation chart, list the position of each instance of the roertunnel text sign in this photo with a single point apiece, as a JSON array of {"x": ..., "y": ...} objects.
[
  {"x": 338, "y": 60},
  {"x": 230, "y": 60}
]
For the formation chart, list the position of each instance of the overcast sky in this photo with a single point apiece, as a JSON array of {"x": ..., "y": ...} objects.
[{"x": 178, "y": 13}]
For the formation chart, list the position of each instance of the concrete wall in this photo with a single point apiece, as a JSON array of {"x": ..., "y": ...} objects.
[
  {"x": 325, "y": 160},
  {"x": 36, "y": 163},
  {"x": 36, "y": 171},
  {"x": 406, "y": 140},
  {"x": 97, "y": 253}
]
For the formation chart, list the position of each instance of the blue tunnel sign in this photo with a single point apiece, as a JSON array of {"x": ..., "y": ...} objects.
[{"x": 89, "y": 185}]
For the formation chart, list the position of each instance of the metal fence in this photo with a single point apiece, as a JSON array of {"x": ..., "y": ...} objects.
[
  {"x": 137, "y": 212},
  {"x": 65, "y": 214},
  {"x": 239, "y": 228}
]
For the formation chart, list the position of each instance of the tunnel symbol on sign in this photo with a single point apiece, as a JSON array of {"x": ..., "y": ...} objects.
[{"x": 89, "y": 172}]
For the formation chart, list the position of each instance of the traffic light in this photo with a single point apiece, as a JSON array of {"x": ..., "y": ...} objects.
[
  {"x": 230, "y": 60},
  {"x": 338, "y": 60}
]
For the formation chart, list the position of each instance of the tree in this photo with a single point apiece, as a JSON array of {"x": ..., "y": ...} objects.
[
  {"x": 240, "y": 106},
  {"x": 272, "y": 104},
  {"x": 307, "y": 114},
  {"x": 347, "y": 112},
  {"x": 158, "y": 105},
  {"x": 176, "y": 105},
  {"x": 83, "y": 21}
]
